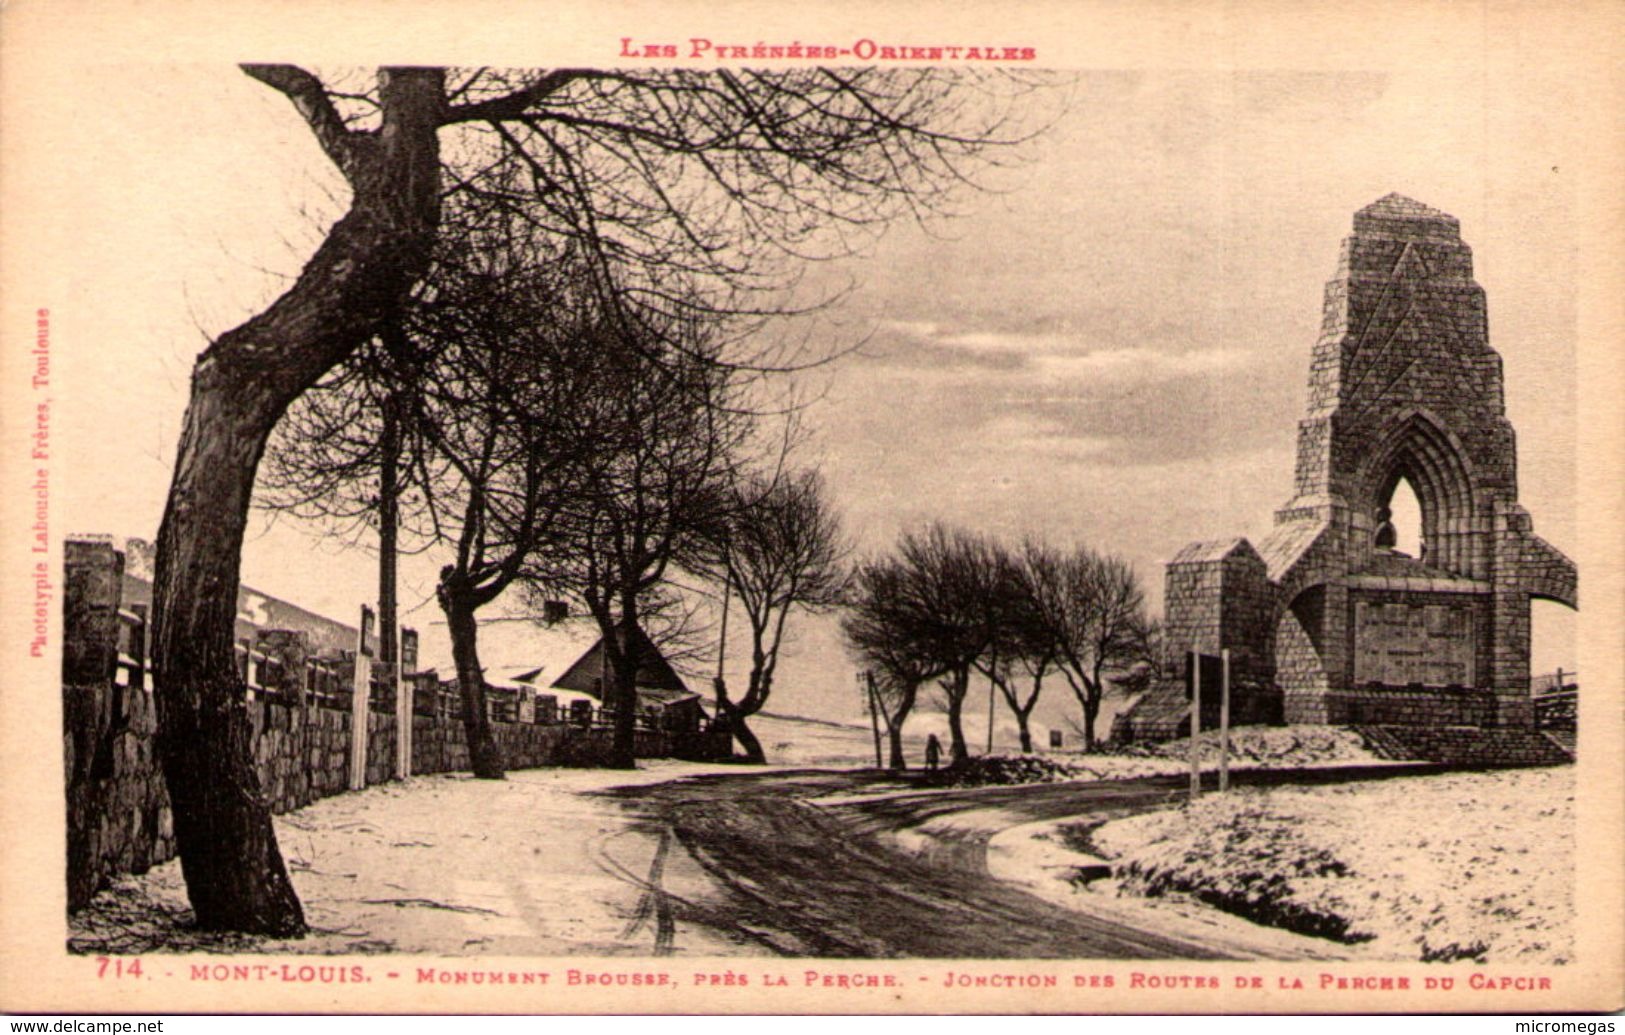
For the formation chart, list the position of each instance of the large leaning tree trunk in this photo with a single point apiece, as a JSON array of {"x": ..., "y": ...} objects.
[{"x": 241, "y": 385}]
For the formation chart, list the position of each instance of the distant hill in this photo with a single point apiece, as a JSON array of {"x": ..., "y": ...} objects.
[{"x": 861, "y": 726}]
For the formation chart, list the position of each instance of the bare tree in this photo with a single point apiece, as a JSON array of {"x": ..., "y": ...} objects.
[
  {"x": 501, "y": 420},
  {"x": 1094, "y": 611},
  {"x": 340, "y": 457},
  {"x": 880, "y": 628},
  {"x": 781, "y": 549},
  {"x": 1141, "y": 662},
  {"x": 696, "y": 189},
  {"x": 650, "y": 490},
  {"x": 476, "y": 387},
  {"x": 958, "y": 581},
  {"x": 1020, "y": 647},
  {"x": 932, "y": 610}
]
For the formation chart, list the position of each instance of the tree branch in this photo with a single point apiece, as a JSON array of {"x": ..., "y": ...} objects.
[
  {"x": 311, "y": 99},
  {"x": 512, "y": 105}
]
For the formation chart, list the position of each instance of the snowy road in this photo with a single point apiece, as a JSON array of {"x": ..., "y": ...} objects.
[
  {"x": 688, "y": 860},
  {"x": 808, "y": 873}
]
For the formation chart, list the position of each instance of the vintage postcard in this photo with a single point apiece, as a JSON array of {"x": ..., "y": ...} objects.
[{"x": 857, "y": 508}]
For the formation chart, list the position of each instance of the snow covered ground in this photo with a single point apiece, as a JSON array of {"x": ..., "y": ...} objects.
[
  {"x": 546, "y": 864},
  {"x": 538, "y": 864},
  {"x": 1038, "y": 857},
  {"x": 535, "y": 865},
  {"x": 811, "y": 742},
  {"x": 1251, "y": 747},
  {"x": 1462, "y": 866}
]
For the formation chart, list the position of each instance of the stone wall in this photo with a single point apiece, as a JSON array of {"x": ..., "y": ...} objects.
[
  {"x": 1422, "y": 706},
  {"x": 301, "y": 754},
  {"x": 118, "y": 812},
  {"x": 1298, "y": 658},
  {"x": 1467, "y": 746},
  {"x": 118, "y": 816}
]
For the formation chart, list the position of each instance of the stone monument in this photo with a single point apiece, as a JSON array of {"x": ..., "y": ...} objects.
[{"x": 1326, "y": 621}]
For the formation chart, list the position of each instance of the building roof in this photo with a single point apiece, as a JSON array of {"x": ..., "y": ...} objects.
[
  {"x": 662, "y": 696},
  {"x": 1288, "y": 542},
  {"x": 1398, "y": 206},
  {"x": 1213, "y": 550},
  {"x": 256, "y": 610},
  {"x": 587, "y": 673},
  {"x": 515, "y": 647},
  {"x": 565, "y": 655}
]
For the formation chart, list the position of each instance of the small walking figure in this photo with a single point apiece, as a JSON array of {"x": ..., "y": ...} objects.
[{"x": 933, "y": 752}]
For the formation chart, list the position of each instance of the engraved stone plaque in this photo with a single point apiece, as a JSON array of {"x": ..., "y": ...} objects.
[{"x": 1398, "y": 643}]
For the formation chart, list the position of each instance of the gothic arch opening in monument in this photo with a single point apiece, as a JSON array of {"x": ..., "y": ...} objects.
[
  {"x": 1420, "y": 453},
  {"x": 1402, "y": 530}
]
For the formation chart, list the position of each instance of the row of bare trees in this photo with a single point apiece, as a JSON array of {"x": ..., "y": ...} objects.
[
  {"x": 549, "y": 448},
  {"x": 948, "y": 602},
  {"x": 682, "y": 202}
]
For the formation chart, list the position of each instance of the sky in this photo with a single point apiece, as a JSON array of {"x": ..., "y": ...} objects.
[{"x": 1108, "y": 347}]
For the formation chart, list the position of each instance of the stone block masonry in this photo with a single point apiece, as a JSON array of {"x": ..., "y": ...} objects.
[
  {"x": 118, "y": 816},
  {"x": 1325, "y": 612}
]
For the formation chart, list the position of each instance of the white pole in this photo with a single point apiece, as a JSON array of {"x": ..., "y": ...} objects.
[
  {"x": 1224, "y": 722},
  {"x": 360, "y": 692},
  {"x": 1196, "y": 723}
]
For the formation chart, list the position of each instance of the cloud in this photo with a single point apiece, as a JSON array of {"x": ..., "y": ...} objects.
[
  {"x": 1034, "y": 437},
  {"x": 1025, "y": 344},
  {"x": 1031, "y": 359},
  {"x": 1139, "y": 365}
]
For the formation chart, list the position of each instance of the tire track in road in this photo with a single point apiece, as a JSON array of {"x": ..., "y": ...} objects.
[{"x": 823, "y": 872}]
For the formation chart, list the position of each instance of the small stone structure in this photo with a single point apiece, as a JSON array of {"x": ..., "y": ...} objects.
[{"x": 1326, "y": 622}]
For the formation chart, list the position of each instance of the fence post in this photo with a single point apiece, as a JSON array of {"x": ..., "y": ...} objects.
[
  {"x": 94, "y": 577},
  {"x": 92, "y": 593},
  {"x": 405, "y": 661},
  {"x": 359, "y": 700}
]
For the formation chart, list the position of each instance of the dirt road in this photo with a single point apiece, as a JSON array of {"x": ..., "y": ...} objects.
[{"x": 821, "y": 879}]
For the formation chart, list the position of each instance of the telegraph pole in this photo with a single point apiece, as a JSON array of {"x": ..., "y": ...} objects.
[
  {"x": 867, "y": 678},
  {"x": 719, "y": 684},
  {"x": 1224, "y": 721},
  {"x": 991, "y": 677},
  {"x": 1196, "y": 723}
]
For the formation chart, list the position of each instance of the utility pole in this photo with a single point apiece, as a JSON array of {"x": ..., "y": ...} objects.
[
  {"x": 389, "y": 507},
  {"x": 1224, "y": 721},
  {"x": 867, "y": 678},
  {"x": 1195, "y": 660},
  {"x": 389, "y": 520},
  {"x": 719, "y": 684},
  {"x": 992, "y": 670}
]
